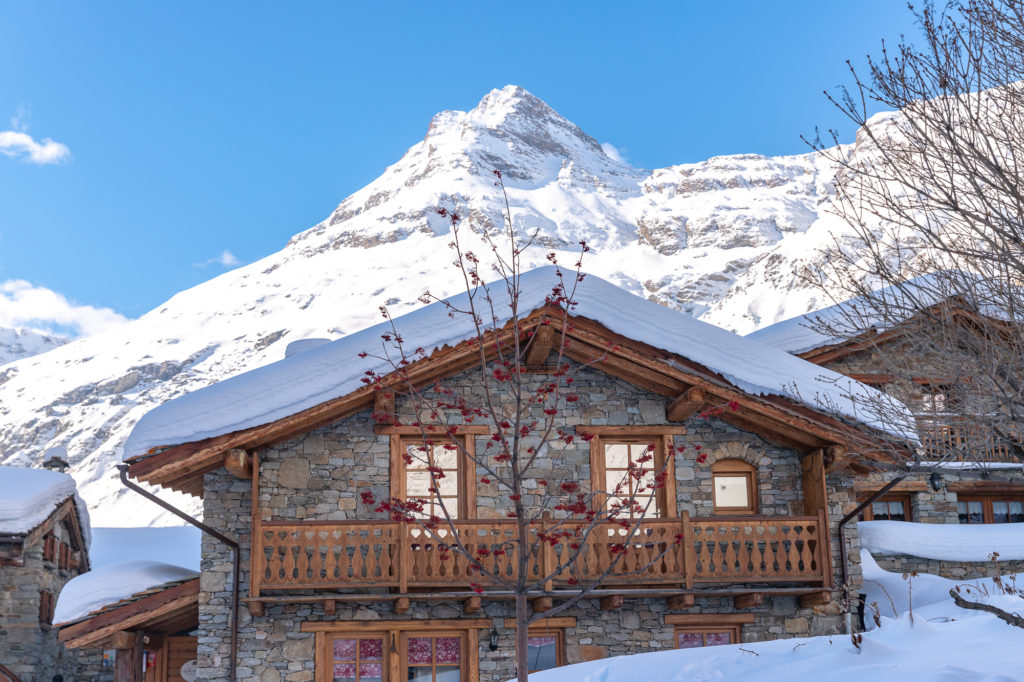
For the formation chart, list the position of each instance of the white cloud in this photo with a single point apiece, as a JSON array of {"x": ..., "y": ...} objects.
[
  {"x": 226, "y": 260},
  {"x": 20, "y": 145},
  {"x": 613, "y": 152},
  {"x": 42, "y": 309}
]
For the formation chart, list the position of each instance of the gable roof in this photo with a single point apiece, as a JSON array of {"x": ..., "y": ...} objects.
[
  {"x": 30, "y": 498},
  {"x": 668, "y": 350}
]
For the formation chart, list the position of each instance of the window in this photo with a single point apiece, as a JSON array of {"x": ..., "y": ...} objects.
[
  {"x": 434, "y": 657},
  {"x": 990, "y": 509},
  {"x": 692, "y": 637},
  {"x": 613, "y": 449},
  {"x": 545, "y": 642},
  {"x": 47, "y": 602},
  {"x": 412, "y": 460},
  {"x": 357, "y": 659},
  {"x": 734, "y": 487},
  {"x": 888, "y": 508}
]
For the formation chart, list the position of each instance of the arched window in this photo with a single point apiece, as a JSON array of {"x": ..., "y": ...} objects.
[{"x": 734, "y": 487}]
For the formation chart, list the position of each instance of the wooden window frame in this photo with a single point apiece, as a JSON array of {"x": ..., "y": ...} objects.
[
  {"x": 869, "y": 515},
  {"x": 704, "y": 623},
  {"x": 467, "y": 468},
  {"x": 986, "y": 505},
  {"x": 732, "y": 468},
  {"x": 464, "y": 644},
  {"x": 392, "y": 632},
  {"x": 661, "y": 437},
  {"x": 545, "y": 627}
]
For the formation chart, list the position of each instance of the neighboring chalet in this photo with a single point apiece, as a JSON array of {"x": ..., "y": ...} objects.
[
  {"x": 332, "y": 590},
  {"x": 977, "y": 477},
  {"x": 44, "y": 543},
  {"x": 140, "y": 614}
]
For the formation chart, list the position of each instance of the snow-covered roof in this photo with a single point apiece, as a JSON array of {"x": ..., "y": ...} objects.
[
  {"x": 335, "y": 369},
  {"x": 179, "y": 545},
  {"x": 832, "y": 325},
  {"x": 28, "y": 497},
  {"x": 944, "y": 542},
  {"x": 104, "y": 587}
]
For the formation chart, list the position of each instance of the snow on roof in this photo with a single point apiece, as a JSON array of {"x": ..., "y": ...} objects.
[
  {"x": 110, "y": 585},
  {"x": 335, "y": 369},
  {"x": 831, "y": 325},
  {"x": 944, "y": 542},
  {"x": 28, "y": 497},
  {"x": 179, "y": 545}
]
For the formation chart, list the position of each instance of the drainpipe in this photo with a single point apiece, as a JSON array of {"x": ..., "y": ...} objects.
[
  {"x": 232, "y": 545},
  {"x": 842, "y": 541}
]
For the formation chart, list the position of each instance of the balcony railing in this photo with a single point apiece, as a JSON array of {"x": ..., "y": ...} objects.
[
  {"x": 354, "y": 555},
  {"x": 962, "y": 442}
]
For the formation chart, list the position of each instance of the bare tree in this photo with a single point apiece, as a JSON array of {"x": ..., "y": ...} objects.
[
  {"x": 554, "y": 532},
  {"x": 934, "y": 196}
]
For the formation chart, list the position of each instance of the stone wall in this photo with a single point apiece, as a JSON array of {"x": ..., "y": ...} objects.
[
  {"x": 320, "y": 475},
  {"x": 27, "y": 648}
]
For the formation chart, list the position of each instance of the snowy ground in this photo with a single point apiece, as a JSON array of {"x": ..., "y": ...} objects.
[{"x": 941, "y": 643}]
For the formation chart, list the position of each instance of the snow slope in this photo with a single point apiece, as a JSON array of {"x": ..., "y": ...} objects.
[
  {"x": 723, "y": 240},
  {"x": 23, "y": 343}
]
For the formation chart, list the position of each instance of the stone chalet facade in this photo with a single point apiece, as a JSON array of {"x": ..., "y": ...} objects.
[
  {"x": 35, "y": 563},
  {"x": 332, "y": 590},
  {"x": 943, "y": 410}
]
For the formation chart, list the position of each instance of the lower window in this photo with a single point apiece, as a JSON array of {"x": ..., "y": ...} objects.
[
  {"x": 690, "y": 637},
  {"x": 888, "y": 508},
  {"x": 545, "y": 650},
  {"x": 357, "y": 659},
  {"x": 990, "y": 510},
  {"x": 434, "y": 658}
]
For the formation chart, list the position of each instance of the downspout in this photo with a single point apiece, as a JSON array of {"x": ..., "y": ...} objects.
[
  {"x": 842, "y": 541},
  {"x": 232, "y": 545}
]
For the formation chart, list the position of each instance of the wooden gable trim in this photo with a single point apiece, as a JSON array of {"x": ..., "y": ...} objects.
[
  {"x": 784, "y": 421},
  {"x": 175, "y": 600}
]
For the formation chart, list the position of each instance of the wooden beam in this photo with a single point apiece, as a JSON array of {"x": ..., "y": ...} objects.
[
  {"x": 128, "y": 662},
  {"x": 378, "y": 625},
  {"x": 384, "y": 406},
  {"x": 612, "y": 603},
  {"x": 330, "y": 607},
  {"x": 545, "y": 623},
  {"x": 471, "y": 605},
  {"x": 634, "y": 431},
  {"x": 121, "y": 640},
  {"x": 680, "y": 602},
  {"x": 457, "y": 429},
  {"x": 541, "y": 345},
  {"x": 238, "y": 463},
  {"x": 542, "y": 604},
  {"x": 748, "y": 601},
  {"x": 770, "y": 435},
  {"x": 836, "y": 458},
  {"x": 402, "y": 605},
  {"x": 708, "y": 618},
  {"x": 812, "y": 469},
  {"x": 686, "y": 405},
  {"x": 256, "y": 608},
  {"x": 815, "y": 599}
]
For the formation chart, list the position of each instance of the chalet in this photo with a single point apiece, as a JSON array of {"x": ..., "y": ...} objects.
[
  {"x": 331, "y": 589},
  {"x": 44, "y": 540},
  {"x": 977, "y": 476}
]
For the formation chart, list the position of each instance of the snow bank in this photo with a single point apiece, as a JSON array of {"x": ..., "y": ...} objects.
[
  {"x": 944, "y": 542},
  {"x": 334, "y": 369},
  {"x": 28, "y": 496},
  {"x": 109, "y": 585},
  {"x": 178, "y": 545}
]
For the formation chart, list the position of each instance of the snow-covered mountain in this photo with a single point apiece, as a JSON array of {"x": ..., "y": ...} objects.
[
  {"x": 19, "y": 343},
  {"x": 724, "y": 240}
]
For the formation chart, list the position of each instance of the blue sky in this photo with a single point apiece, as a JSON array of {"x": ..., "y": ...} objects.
[{"x": 181, "y": 131}]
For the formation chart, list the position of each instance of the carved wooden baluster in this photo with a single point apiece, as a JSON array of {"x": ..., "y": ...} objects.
[
  {"x": 289, "y": 560},
  {"x": 348, "y": 549},
  {"x": 385, "y": 562},
  {"x": 316, "y": 563}
]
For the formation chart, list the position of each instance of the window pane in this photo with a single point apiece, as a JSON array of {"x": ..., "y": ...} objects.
[
  {"x": 717, "y": 638},
  {"x": 1000, "y": 511},
  {"x": 880, "y": 511},
  {"x": 731, "y": 491},
  {"x": 418, "y": 453},
  {"x": 542, "y": 653},
  {"x": 688, "y": 640},
  {"x": 448, "y": 674},
  {"x": 896, "y": 511},
  {"x": 344, "y": 649},
  {"x": 448, "y": 650},
  {"x": 975, "y": 512},
  {"x": 421, "y": 675},
  {"x": 344, "y": 672},
  {"x": 445, "y": 458},
  {"x": 371, "y": 672},
  {"x": 371, "y": 649},
  {"x": 961, "y": 511},
  {"x": 638, "y": 450},
  {"x": 449, "y": 486},
  {"x": 419, "y": 651},
  {"x": 417, "y": 483},
  {"x": 1016, "y": 511},
  {"x": 616, "y": 456}
]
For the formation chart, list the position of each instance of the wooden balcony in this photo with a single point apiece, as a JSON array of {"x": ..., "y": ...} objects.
[
  {"x": 959, "y": 441},
  {"x": 355, "y": 556}
]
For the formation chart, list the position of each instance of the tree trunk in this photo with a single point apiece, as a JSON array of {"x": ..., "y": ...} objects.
[{"x": 522, "y": 635}]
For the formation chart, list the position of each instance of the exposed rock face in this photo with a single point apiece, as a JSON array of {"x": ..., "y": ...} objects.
[
  {"x": 724, "y": 240},
  {"x": 22, "y": 343}
]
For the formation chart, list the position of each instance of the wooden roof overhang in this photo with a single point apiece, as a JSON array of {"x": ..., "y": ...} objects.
[
  {"x": 165, "y": 610},
  {"x": 66, "y": 512},
  {"x": 776, "y": 418}
]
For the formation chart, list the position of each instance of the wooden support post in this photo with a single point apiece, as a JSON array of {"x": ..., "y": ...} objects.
[
  {"x": 121, "y": 640},
  {"x": 384, "y": 406},
  {"x": 542, "y": 604},
  {"x": 815, "y": 599},
  {"x": 540, "y": 346},
  {"x": 128, "y": 661},
  {"x": 680, "y": 602},
  {"x": 238, "y": 463},
  {"x": 812, "y": 469},
  {"x": 836, "y": 457},
  {"x": 748, "y": 601},
  {"x": 686, "y": 405},
  {"x": 330, "y": 607},
  {"x": 471, "y": 605},
  {"x": 402, "y": 605},
  {"x": 612, "y": 602},
  {"x": 256, "y": 608}
]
